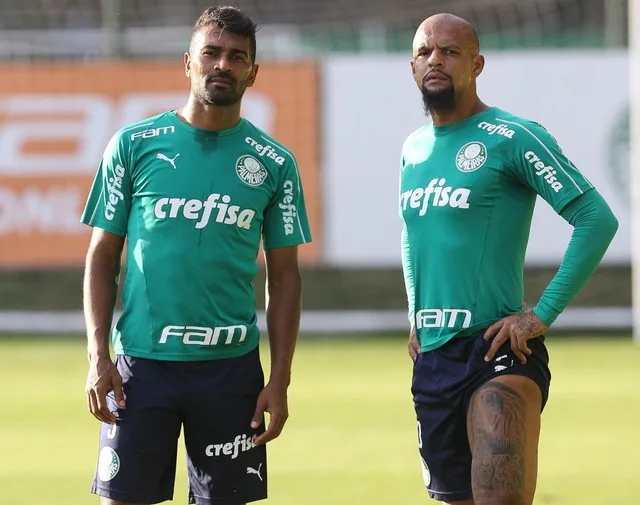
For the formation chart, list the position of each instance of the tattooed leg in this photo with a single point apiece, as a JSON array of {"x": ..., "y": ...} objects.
[{"x": 503, "y": 424}]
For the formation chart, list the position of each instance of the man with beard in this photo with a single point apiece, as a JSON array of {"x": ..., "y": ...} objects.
[
  {"x": 468, "y": 186},
  {"x": 193, "y": 191}
]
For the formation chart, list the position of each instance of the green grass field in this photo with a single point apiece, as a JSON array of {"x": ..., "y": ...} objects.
[{"x": 351, "y": 435}]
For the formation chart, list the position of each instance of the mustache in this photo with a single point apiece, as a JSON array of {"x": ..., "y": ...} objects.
[
  {"x": 220, "y": 75},
  {"x": 435, "y": 71}
]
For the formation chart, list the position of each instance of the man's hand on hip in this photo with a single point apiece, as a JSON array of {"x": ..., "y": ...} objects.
[{"x": 518, "y": 328}]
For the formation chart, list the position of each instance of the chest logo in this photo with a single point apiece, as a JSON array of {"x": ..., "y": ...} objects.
[
  {"x": 250, "y": 170},
  {"x": 471, "y": 156}
]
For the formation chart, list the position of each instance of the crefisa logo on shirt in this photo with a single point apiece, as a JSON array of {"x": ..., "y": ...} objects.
[
  {"x": 250, "y": 170},
  {"x": 114, "y": 190},
  {"x": 499, "y": 129},
  {"x": 471, "y": 156},
  {"x": 289, "y": 210}
]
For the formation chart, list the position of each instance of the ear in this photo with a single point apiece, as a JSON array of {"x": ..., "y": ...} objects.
[
  {"x": 253, "y": 75},
  {"x": 478, "y": 65},
  {"x": 187, "y": 64},
  {"x": 413, "y": 67}
]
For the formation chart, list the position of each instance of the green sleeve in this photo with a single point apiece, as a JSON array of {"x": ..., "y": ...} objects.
[
  {"x": 285, "y": 220},
  {"x": 407, "y": 269},
  {"x": 405, "y": 252},
  {"x": 537, "y": 161},
  {"x": 594, "y": 228},
  {"x": 109, "y": 200}
]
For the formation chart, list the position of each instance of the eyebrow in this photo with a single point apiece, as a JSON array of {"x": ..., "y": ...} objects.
[
  {"x": 218, "y": 48},
  {"x": 446, "y": 46},
  {"x": 450, "y": 46}
]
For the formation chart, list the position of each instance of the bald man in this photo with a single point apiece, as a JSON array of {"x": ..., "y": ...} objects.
[{"x": 468, "y": 184}]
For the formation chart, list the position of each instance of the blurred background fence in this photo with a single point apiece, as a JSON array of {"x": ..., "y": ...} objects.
[{"x": 335, "y": 86}]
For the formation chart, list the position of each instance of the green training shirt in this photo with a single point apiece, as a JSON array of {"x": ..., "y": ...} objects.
[
  {"x": 194, "y": 205},
  {"x": 467, "y": 195}
]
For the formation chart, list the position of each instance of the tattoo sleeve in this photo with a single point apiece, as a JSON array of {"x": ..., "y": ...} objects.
[{"x": 497, "y": 423}]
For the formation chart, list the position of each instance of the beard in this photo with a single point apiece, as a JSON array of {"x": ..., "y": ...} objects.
[
  {"x": 213, "y": 95},
  {"x": 438, "y": 100}
]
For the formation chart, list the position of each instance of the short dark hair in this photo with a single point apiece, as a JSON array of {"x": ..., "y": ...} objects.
[{"x": 232, "y": 19}]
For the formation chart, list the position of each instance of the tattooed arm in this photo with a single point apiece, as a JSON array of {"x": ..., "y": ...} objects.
[{"x": 594, "y": 227}]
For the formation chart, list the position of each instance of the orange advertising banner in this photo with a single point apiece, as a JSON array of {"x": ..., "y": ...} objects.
[{"x": 56, "y": 119}]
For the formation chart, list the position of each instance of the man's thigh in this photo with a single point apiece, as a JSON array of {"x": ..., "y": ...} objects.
[
  {"x": 503, "y": 425},
  {"x": 137, "y": 456},
  {"x": 225, "y": 467},
  {"x": 445, "y": 381}
]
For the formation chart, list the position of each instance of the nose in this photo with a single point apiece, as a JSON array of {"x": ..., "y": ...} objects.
[
  {"x": 223, "y": 64},
  {"x": 436, "y": 59}
]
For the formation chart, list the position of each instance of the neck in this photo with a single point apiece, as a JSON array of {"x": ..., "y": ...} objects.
[
  {"x": 464, "y": 109},
  {"x": 209, "y": 116}
]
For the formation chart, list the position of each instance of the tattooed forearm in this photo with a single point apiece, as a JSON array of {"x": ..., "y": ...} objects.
[{"x": 497, "y": 417}]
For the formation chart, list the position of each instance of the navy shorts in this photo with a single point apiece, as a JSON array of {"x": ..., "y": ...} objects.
[
  {"x": 444, "y": 381},
  {"x": 213, "y": 401}
]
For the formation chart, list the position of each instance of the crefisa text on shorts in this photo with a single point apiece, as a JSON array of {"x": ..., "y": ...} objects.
[{"x": 242, "y": 443}]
